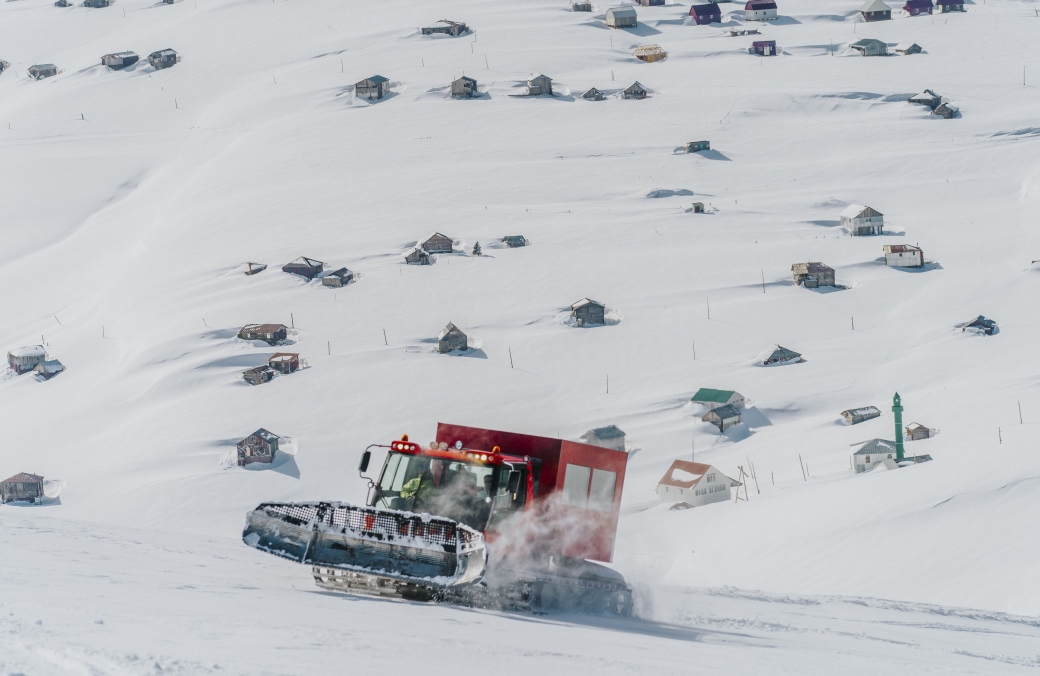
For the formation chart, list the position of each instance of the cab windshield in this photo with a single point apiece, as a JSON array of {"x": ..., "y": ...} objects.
[{"x": 454, "y": 490}]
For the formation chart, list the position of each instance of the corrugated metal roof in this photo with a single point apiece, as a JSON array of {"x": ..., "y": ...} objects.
[
  {"x": 726, "y": 412},
  {"x": 586, "y": 301},
  {"x": 29, "y": 351},
  {"x": 23, "y": 477},
  {"x": 875, "y": 6},
  {"x": 712, "y": 396},
  {"x": 622, "y": 12},
  {"x": 863, "y": 410},
  {"x": 376, "y": 79},
  {"x": 876, "y": 446},
  {"x": 705, "y": 10},
  {"x": 919, "y": 4},
  {"x": 760, "y": 5}
]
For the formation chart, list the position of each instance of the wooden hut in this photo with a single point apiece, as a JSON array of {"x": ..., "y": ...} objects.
[
  {"x": 119, "y": 60},
  {"x": 338, "y": 278},
  {"x": 946, "y": 110},
  {"x": 854, "y": 416},
  {"x": 255, "y": 268},
  {"x": 164, "y": 58},
  {"x": 515, "y": 241},
  {"x": 4, "y": 65},
  {"x": 870, "y": 47},
  {"x": 22, "y": 487},
  {"x": 764, "y": 47},
  {"x": 812, "y": 275},
  {"x": 539, "y": 84},
  {"x": 781, "y": 355},
  {"x": 715, "y": 398},
  {"x": 861, "y": 221},
  {"x": 723, "y": 417},
  {"x": 611, "y": 437},
  {"x": 464, "y": 87},
  {"x": 437, "y": 243},
  {"x": 593, "y": 95},
  {"x": 918, "y": 7},
  {"x": 308, "y": 268},
  {"x": 705, "y": 14},
  {"x": 271, "y": 334},
  {"x": 634, "y": 91},
  {"x": 375, "y": 87},
  {"x": 875, "y": 10},
  {"x": 48, "y": 369},
  {"x": 697, "y": 146},
  {"x": 917, "y": 431},
  {"x": 950, "y": 5},
  {"x": 42, "y": 70},
  {"x": 25, "y": 359},
  {"x": 258, "y": 375},
  {"x": 97, "y": 4},
  {"x": 903, "y": 256},
  {"x": 63, "y": 3},
  {"x": 694, "y": 484},
  {"x": 907, "y": 48},
  {"x": 760, "y": 10},
  {"x": 698, "y": 207},
  {"x": 284, "y": 362},
  {"x": 650, "y": 53},
  {"x": 581, "y": 6},
  {"x": 587, "y": 311},
  {"x": 651, "y": 3},
  {"x": 260, "y": 446},
  {"x": 926, "y": 98},
  {"x": 454, "y": 28},
  {"x": 418, "y": 257},
  {"x": 621, "y": 17},
  {"x": 451, "y": 338}
]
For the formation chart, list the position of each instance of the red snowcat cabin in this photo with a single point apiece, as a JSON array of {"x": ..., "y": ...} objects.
[{"x": 585, "y": 482}]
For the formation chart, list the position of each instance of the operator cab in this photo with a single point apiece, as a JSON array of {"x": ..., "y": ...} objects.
[{"x": 477, "y": 488}]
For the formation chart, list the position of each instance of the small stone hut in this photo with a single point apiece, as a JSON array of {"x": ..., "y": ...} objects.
[
  {"x": 338, "y": 278},
  {"x": 705, "y": 14},
  {"x": 870, "y": 47},
  {"x": 451, "y": 338},
  {"x": 464, "y": 87},
  {"x": 875, "y": 10},
  {"x": 515, "y": 241},
  {"x": 764, "y": 47},
  {"x": 926, "y": 98},
  {"x": 284, "y": 362},
  {"x": 97, "y": 4},
  {"x": 539, "y": 84},
  {"x": 372, "y": 88},
  {"x": 610, "y": 436},
  {"x": 455, "y": 28},
  {"x": 723, "y": 417},
  {"x": 651, "y": 3},
  {"x": 854, "y": 416},
  {"x": 621, "y": 17},
  {"x": 260, "y": 446},
  {"x": 813, "y": 275},
  {"x": 634, "y": 91},
  {"x": 593, "y": 95},
  {"x": 22, "y": 487},
  {"x": 304, "y": 267},
  {"x": 907, "y": 48},
  {"x": 588, "y": 312},
  {"x": 119, "y": 60},
  {"x": 42, "y": 70},
  {"x": 271, "y": 334},
  {"x": 164, "y": 58},
  {"x": 698, "y": 207},
  {"x": 917, "y": 431},
  {"x": 258, "y": 375},
  {"x": 903, "y": 256},
  {"x": 861, "y": 221},
  {"x": 582, "y": 6},
  {"x": 946, "y": 110}
]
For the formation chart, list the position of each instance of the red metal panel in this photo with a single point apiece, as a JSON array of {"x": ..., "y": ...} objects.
[
  {"x": 599, "y": 528},
  {"x": 545, "y": 449}
]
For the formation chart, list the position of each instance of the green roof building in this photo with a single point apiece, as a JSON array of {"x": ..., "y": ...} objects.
[{"x": 715, "y": 398}]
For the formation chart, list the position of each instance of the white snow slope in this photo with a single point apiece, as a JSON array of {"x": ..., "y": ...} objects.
[{"x": 131, "y": 200}]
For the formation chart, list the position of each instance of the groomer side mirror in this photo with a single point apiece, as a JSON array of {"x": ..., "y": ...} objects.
[{"x": 365, "y": 458}]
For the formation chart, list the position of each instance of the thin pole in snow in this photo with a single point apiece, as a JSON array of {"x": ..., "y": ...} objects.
[
  {"x": 763, "y": 280},
  {"x": 58, "y": 320},
  {"x": 708, "y": 303},
  {"x": 802, "y": 466},
  {"x": 341, "y": 65},
  {"x": 385, "y": 342},
  {"x": 329, "y": 345},
  {"x": 102, "y": 331},
  {"x": 510, "y": 357},
  {"x": 204, "y": 322},
  {"x": 1000, "y": 437},
  {"x": 608, "y": 384},
  {"x": 292, "y": 320},
  {"x": 1019, "y": 413},
  {"x": 773, "y": 477},
  {"x": 486, "y": 66},
  {"x": 695, "y": 350},
  {"x": 423, "y": 62},
  {"x": 853, "y": 323},
  {"x": 175, "y": 104}
]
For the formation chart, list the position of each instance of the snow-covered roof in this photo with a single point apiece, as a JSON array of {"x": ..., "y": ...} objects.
[
  {"x": 926, "y": 95},
  {"x": 635, "y": 86},
  {"x": 52, "y": 366},
  {"x": 586, "y": 301},
  {"x": 623, "y": 12},
  {"x": 875, "y": 446},
  {"x": 265, "y": 435},
  {"x": 862, "y": 410},
  {"x": 283, "y": 356},
  {"x": 907, "y": 46},
  {"x": 853, "y": 211},
  {"x": 29, "y": 351},
  {"x": 538, "y": 75},
  {"x": 866, "y": 42},
  {"x": 684, "y": 474},
  {"x": 875, "y": 6},
  {"x": 448, "y": 329}
]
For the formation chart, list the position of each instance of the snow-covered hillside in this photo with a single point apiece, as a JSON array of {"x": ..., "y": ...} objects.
[{"x": 132, "y": 200}]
